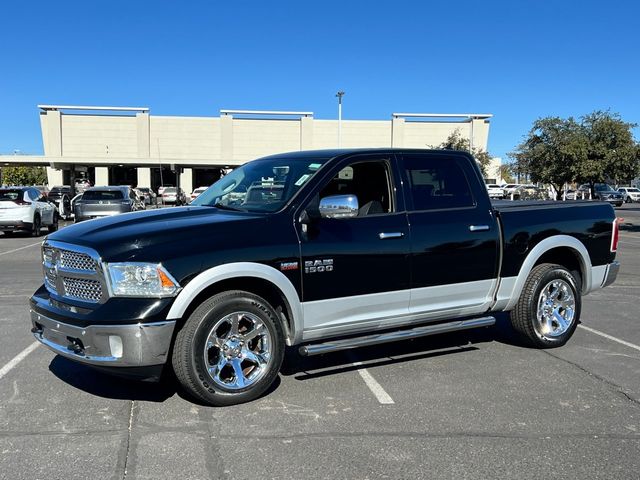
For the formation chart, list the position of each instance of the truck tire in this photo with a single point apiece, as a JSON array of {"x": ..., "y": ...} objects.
[
  {"x": 548, "y": 310},
  {"x": 230, "y": 349}
]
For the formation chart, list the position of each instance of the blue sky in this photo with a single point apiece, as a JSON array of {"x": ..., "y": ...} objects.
[{"x": 519, "y": 60}]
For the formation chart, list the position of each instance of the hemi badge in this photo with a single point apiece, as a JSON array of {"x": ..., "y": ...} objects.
[{"x": 285, "y": 266}]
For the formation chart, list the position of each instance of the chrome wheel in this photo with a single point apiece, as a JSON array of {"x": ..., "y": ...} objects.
[
  {"x": 237, "y": 352},
  {"x": 556, "y": 309}
]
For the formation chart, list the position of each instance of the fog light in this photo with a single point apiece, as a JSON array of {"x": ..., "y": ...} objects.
[{"x": 115, "y": 344}]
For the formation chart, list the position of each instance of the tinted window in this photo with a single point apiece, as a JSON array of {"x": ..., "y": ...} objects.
[
  {"x": 102, "y": 195},
  {"x": 437, "y": 182}
]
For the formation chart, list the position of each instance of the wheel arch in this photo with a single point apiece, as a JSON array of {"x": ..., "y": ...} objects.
[
  {"x": 259, "y": 279},
  {"x": 561, "y": 249}
]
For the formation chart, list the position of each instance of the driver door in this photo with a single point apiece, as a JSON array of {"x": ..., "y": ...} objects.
[{"x": 356, "y": 270}]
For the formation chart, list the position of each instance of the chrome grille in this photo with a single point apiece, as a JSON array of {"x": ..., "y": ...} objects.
[
  {"x": 77, "y": 261},
  {"x": 82, "y": 289},
  {"x": 73, "y": 272}
]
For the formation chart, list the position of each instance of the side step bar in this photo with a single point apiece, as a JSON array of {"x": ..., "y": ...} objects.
[{"x": 356, "y": 342}]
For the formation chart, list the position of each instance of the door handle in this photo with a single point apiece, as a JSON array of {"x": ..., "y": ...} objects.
[
  {"x": 388, "y": 236},
  {"x": 478, "y": 228}
]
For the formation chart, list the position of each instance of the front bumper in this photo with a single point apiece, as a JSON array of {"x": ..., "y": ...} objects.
[
  {"x": 611, "y": 274},
  {"x": 139, "y": 345}
]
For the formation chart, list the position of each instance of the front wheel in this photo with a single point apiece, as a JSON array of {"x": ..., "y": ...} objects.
[
  {"x": 548, "y": 310},
  {"x": 230, "y": 349}
]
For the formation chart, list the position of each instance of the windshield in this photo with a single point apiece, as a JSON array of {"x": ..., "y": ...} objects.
[
  {"x": 262, "y": 185},
  {"x": 102, "y": 195},
  {"x": 60, "y": 190},
  {"x": 602, "y": 187},
  {"x": 633, "y": 190}
]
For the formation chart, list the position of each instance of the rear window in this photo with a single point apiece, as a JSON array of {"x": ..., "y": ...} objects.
[
  {"x": 170, "y": 190},
  {"x": 11, "y": 195},
  {"x": 102, "y": 195},
  {"x": 61, "y": 190},
  {"x": 437, "y": 183}
]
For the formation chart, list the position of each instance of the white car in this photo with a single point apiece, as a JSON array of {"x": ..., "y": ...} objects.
[
  {"x": 495, "y": 191},
  {"x": 197, "y": 192},
  {"x": 26, "y": 209},
  {"x": 510, "y": 188},
  {"x": 630, "y": 194}
]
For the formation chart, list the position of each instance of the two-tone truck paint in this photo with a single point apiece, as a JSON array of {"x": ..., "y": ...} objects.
[{"x": 323, "y": 250}]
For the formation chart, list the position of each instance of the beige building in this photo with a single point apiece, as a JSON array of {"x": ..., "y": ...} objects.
[{"x": 128, "y": 145}]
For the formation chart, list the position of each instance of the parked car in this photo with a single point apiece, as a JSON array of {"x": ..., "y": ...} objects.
[
  {"x": 630, "y": 194},
  {"x": 162, "y": 188},
  {"x": 61, "y": 196},
  {"x": 509, "y": 188},
  {"x": 26, "y": 209},
  {"x": 197, "y": 192},
  {"x": 174, "y": 196},
  {"x": 529, "y": 192},
  {"x": 321, "y": 251},
  {"x": 495, "y": 191},
  {"x": 571, "y": 194},
  {"x": 148, "y": 194},
  {"x": 99, "y": 202},
  {"x": 605, "y": 193}
]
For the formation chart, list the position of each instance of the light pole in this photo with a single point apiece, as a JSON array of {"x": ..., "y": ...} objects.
[{"x": 340, "y": 94}]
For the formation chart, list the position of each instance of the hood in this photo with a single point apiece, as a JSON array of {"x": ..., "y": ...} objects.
[{"x": 159, "y": 235}]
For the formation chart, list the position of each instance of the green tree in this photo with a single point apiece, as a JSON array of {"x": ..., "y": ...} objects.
[
  {"x": 612, "y": 154},
  {"x": 552, "y": 151},
  {"x": 456, "y": 141},
  {"x": 507, "y": 172},
  {"x": 24, "y": 176}
]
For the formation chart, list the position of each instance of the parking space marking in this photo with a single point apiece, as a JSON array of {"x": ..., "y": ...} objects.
[
  {"x": 379, "y": 392},
  {"x": 21, "y": 248},
  {"x": 17, "y": 359},
  {"x": 610, "y": 337}
]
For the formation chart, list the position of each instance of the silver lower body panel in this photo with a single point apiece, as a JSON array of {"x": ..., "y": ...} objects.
[{"x": 138, "y": 345}]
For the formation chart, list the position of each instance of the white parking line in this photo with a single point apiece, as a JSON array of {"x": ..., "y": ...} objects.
[
  {"x": 379, "y": 392},
  {"x": 17, "y": 359},
  {"x": 18, "y": 249},
  {"x": 610, "y": 337}
]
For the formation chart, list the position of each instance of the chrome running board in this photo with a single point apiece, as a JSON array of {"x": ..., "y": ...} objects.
[{"x": 356, "y": 342}]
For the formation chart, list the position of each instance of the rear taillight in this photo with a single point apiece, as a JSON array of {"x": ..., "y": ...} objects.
[{"x": 615, "y": 233}]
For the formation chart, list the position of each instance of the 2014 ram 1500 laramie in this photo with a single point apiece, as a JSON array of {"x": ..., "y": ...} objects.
[{"x": 323, "y": 250}]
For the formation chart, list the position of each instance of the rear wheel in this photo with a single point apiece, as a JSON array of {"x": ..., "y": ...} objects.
[
  {"x": 37, "y": 226},
  {"x": 54, "y": 225},
  {"x": 230, "y": 349},
  {"x": 548, "y": 310}
]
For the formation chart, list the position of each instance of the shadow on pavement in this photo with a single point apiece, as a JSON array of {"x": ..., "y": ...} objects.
[
  {"x": 302, "y": 368},
  {"x": 104, "y": 385},
  {"x": 307, "y": 368}
]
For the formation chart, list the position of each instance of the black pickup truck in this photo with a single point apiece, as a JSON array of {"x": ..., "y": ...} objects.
[{"x": 322, "y": 250}]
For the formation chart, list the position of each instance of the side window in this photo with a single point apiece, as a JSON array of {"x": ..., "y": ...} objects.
[
  {"x": 437, "y": 182},
  {"x": 369, "y": 181}
]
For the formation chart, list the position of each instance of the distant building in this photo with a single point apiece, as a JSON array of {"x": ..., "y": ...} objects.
[{"x": 128, "y": 145}]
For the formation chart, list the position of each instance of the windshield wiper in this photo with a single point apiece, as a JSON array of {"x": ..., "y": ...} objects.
[{"x": 221, "y": 206}]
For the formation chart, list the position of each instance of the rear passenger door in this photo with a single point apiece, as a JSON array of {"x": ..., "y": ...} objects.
[{"x": 454, "y": 235}]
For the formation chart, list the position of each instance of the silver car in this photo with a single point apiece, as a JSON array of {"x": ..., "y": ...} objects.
[{"x": 99, "y": 202}]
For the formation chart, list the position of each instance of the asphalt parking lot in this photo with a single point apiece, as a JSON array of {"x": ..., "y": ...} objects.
[{"x": 466, "y": 405}]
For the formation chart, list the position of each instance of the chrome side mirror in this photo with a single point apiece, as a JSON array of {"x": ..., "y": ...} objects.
[{"x": 339, "y": 206}]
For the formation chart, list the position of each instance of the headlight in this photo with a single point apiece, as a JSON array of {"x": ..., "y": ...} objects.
[{"x": 140, "y": 280}]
